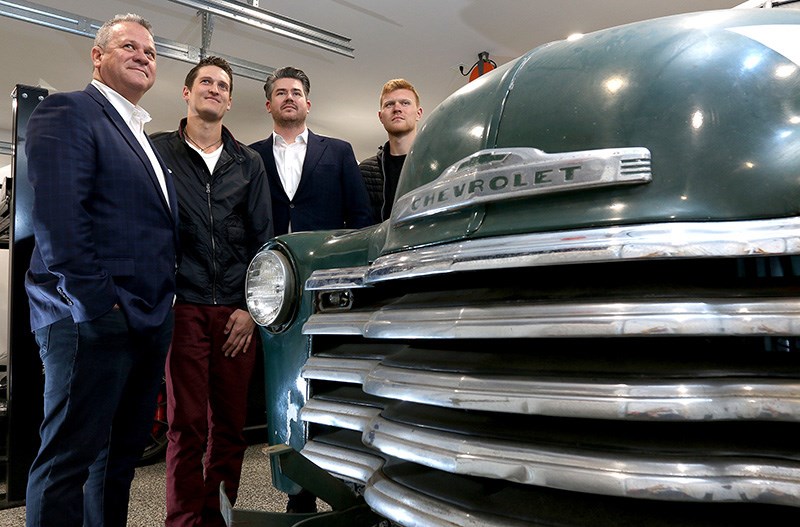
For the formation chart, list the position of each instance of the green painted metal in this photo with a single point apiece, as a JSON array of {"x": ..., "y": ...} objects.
[{"x": 286, "y": 353}]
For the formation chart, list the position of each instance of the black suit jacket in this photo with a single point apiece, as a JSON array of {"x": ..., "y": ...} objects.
[
  {"x": 331, "y": 193},
  {"x": 104, "y": 232}
]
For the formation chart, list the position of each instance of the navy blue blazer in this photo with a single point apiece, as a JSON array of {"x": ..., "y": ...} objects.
[
  {"x": 104, "y": 232},
  {"x": 331, "y": 193}
]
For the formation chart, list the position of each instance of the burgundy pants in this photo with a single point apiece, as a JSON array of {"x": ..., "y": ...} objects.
[{"x": 206, "y": 409}]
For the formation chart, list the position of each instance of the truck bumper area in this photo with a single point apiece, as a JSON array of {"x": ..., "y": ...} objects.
[{"x": 348, "y": 509}]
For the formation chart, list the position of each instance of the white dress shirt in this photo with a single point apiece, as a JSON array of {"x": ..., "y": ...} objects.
[{"x": 289, "y": 159}]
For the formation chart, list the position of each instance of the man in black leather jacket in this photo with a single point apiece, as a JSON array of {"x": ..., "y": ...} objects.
[
  {"x": 399, "y": 113},
  {"x": 225, "y": 217}
]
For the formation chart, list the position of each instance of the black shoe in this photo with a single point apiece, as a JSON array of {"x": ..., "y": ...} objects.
[{"x": 302, "y": 502}]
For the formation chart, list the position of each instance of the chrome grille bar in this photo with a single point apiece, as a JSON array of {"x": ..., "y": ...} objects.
[
  {"x": 348, "y": 416},
  {"x": 655, "y": 399},
  {"x": 665, "y": 240},
  {"x": 413, "y": 509},
  {"x": 666, "y": 477},
  {"x": 338, "y": 370},
  {"x": 636, "y": 242},
  {"x": 344, "y": 462},
  {"x": 703, "y": 317}
]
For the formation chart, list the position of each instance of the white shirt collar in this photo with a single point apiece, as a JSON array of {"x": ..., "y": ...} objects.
[
  {"x": 133, "y": 114},
  {"x": 278, "y": 139}
]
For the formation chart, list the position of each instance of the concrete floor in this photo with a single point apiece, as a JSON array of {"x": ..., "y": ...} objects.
[{"x": 148, "y": 493}]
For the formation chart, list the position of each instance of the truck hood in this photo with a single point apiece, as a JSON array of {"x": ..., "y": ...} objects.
[{"x": 685, "y": 118}]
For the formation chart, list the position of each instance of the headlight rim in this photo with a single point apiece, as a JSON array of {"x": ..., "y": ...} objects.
[{"x": 286, "y": 312}]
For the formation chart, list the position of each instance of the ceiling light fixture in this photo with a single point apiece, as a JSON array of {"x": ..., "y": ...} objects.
[{"x": 273, "y": 23}]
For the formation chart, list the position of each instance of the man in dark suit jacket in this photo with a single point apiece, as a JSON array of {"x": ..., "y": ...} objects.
[
  {"x": 314, "y": 180},
  {"x": 101, "y": 282}
]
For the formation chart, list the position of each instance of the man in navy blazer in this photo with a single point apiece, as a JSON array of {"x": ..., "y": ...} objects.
[
  {"x": 101, "y": 282},
  {"x": 314, "y": 180}
]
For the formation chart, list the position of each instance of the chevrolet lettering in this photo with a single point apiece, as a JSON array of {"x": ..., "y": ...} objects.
[{"x": 500, "y": 174}]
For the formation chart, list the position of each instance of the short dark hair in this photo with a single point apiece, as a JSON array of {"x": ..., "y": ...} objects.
[
  {"x": 287, "y": 72},
  {"x": 209, "y": 61}
]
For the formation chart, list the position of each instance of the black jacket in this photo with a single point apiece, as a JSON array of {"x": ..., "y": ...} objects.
[
  {"x": 372, "y": 170},
  {"x": 224, "y": 217}
]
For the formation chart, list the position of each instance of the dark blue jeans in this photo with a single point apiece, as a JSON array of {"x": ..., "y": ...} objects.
[{"x": 101, "y": 384}]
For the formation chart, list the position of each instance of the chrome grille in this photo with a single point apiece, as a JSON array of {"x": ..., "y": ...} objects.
[{"x": 639, "y": 382}]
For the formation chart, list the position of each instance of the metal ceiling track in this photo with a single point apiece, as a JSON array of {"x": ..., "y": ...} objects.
[
  {"x": 244, "y": 13},
  {"x": 273, "y": 23},
  {"x": 764, "y": 4}
]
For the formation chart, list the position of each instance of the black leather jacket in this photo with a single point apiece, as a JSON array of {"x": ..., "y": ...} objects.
[{"x": 224, "y": 217}]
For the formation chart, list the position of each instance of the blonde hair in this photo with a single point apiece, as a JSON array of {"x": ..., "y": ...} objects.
[{"x": 397, "y": 84}]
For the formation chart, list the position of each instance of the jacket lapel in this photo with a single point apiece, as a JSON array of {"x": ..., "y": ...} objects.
[
  {"x": 314, "y": 150},
  {"x": 125, "y": 131}
]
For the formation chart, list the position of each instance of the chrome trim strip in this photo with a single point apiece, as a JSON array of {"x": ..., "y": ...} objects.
[
  {"x": 668, "y": 478},
  {"x": 637, "y": 242},
  {"x": 338, "y": 370},
  {"x": 667, "y": 240},
  {"x": 333, "y": 279},
  {"x": 412, "y": 509},
  {"x": 349, "y": 416},
  {"x": 671, "y": 400},
  {"x": 348, "y": 464},
  {"x": 347, "y": 323},
  {"x": 500, "y": 174},
  {"x": 699, "y": 317}
]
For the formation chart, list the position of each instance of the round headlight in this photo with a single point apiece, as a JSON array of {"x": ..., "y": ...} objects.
[{"x": 270, "y": 288}]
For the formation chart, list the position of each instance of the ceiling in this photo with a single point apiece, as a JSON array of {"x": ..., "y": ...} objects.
[{"x": 424, "y": 41}]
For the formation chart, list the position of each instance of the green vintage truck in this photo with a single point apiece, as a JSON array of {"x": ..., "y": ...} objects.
[{"x": 585, "y": 308}]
